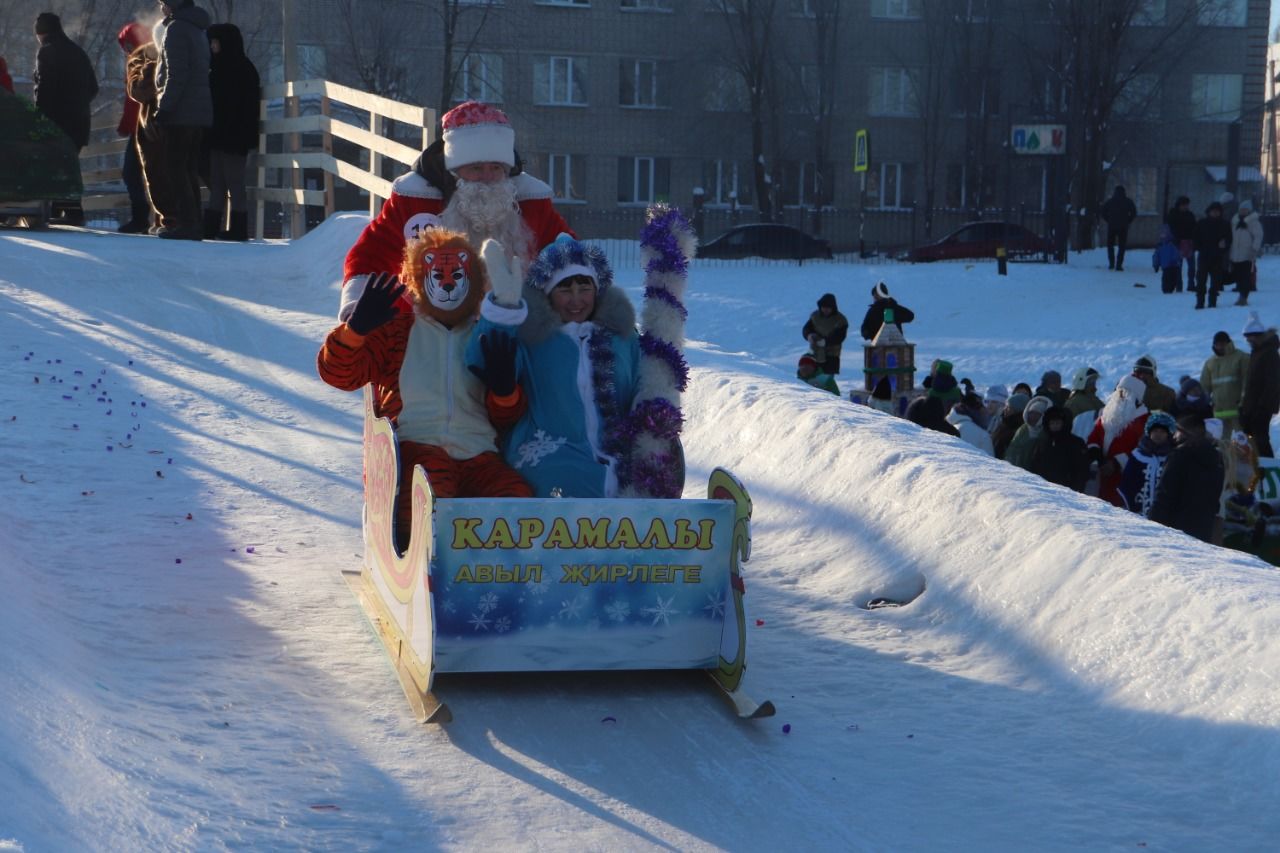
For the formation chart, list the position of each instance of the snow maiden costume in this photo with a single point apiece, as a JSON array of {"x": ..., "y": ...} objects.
[{"x": 576, "y": 381}]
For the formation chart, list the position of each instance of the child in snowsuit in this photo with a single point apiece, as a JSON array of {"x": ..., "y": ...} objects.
[
  {"x": 1167, "y": 260},
  {"x": 1141, "y": 474},
  {"x": 808, "y": 370}
]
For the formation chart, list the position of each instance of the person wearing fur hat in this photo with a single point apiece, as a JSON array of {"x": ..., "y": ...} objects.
[
  {"x": 1187, "y": 497},
  {"x": 809, "y": 371},
  {"x": 1141, "y": 474},
  {"x": 964, "y": 417},
  {"x": 1212, "y": 242},
  {"x": 1222, "y": 378},
  {"x": 825, "y": 330},
  {"x": 1158, "y": 396},
  {"x": 470, "y": 180},
  {"x": 1120, "y": 426},
  {"x": 444, "y": 419},
  {"x": 132, "y": 36},
  {"x": 1261, "y": 398},
  {"x": 1057, "y": 455},
  {"x": 1024, "y": 440},
  {"x": 881, "y": 301},
  {"x": 993, "y": 402},
  {"x": 563, "y": 352},
  {"x": 1246, "y": 245}
]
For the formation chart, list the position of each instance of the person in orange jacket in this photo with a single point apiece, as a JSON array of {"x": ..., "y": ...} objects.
[{"x": 132, "y": 36}]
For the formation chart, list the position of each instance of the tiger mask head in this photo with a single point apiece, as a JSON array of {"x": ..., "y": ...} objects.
[{"x": 444, "y": 276}]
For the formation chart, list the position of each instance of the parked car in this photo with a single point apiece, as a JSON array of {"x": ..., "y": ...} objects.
[
  {"x": 40, "y": 164},
  {"x": 765, "y": 240},
  {"x": 980, "y": 240}
]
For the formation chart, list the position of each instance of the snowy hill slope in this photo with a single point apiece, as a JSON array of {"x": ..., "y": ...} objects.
[{"x": 1069, "y": 677}]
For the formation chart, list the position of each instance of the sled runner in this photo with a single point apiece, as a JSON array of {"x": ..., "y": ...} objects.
[{"x": 542, "y": 585}]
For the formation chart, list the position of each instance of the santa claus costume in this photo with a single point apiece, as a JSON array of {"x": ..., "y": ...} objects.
[
  {"x": 517, "y": 211},
  {"x": 416, "y": 361},
  {"x": 1120, "y": 426}
]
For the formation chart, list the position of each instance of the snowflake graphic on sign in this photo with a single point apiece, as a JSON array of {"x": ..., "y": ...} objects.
[
  {"x": 479, "y": 621},
  {"x": 714, "y": 606},
  {"x": 488, "y": 602},
  {"x": 535, "y": 449},
  {"x": 571, "y": 609},
  {"x": 662, "y": 611},
  {"x": 617, "y": 610},
  {"x": 503, "y": 625}
]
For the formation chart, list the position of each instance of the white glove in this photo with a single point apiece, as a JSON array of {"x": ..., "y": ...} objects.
[{"x": 505, "y": 273}]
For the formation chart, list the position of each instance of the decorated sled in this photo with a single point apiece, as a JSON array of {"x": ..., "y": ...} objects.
[{"x": 535, "y": 585}]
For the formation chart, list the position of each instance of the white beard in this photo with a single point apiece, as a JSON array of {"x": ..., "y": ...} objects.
[
  {"x": 489, "y": 211},
  {"x": 1120, "y": 411}
]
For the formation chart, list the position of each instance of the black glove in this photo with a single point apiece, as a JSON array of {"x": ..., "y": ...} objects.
[
  {"x": 499, "y": 370},
  {"x": 377, "y": 305}
]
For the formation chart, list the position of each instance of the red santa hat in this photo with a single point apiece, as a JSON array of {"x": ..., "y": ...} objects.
[{"x": 477, "y": 133}]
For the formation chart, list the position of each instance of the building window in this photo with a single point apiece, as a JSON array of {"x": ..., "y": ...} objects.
[
  {"x": 566, "y": 173},
  {"x": 1139, "y": 183},
  {"x": 1150, "y": 13},
  {"x": 900, "y": 9},
  {"x": 892, "y": 93},
  {"x": 801, "y": 183},
  {"x": 643, "y": 180},
  {"x": 1222, "y": 13},
  {"x": 638, "y": 83},
  {"x": 1140, "y": 98},
  {"x": 647, "y": 5},
  {"x": 560, "y": 81},
  {"x": 562, "y": 2},
  {"x": 479, "y": 79},
  {"x": 1216, "y": 97},
  {"x": 1030, "y": 182},
  {"x": 726, "y": 92},
  {"x": 725, "y": 182},
  {"x": 892, "y": 186}
]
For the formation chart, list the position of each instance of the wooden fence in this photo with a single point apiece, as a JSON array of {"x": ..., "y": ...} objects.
[{"x": 282, "y": 157}]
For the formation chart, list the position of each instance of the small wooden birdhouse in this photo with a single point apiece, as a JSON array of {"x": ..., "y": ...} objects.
[{"x": 890, "y": 356}]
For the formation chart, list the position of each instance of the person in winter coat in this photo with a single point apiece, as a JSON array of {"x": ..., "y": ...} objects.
[
  {"x": 564, "y": 351},
  {"x": 1057, "y": 455},
  {"x": 1192, "y": 400},
  {"x": 880, "y": 302},
  {"x": 942, "y": 384},
  {"x": 825, "y": 331},
  {"x": 931, "y": 413},
  {"x": 1222, "y": 378},
  {"x": 1024, "y": 440},
  {"x": 140, "y": 86},
  {"x": 1240, "y": 504},
  {"x": 1182, "y": 222},
  {"x": 6, "y": 82},
  {"x": 1159, "y": 397},
  {"x": 1167, "y": 260},
  {"x": 131, "y": 37},
  {"x": 1187, "y": 497},
  {"x": 1213, "y": 242},
  {"x": 184, "y": 109},
  {"x": 1261, "y": 398},
  {"x": 1051, "y": 387},
  {"x": 809, "y": 371},
  {"x": 470, "y": 180},
  {"x": 1246, "y": 245},
  {"x": 1118, "y": 212},
  {"x": 1083, "y": 405},
  {"x": 444, "y": 419},
  {"x": 993, "y": 403},
  {"x": 64, "y": 84},
  {"x": 1141, "y": 474},
  {"x": 964, "y": 417},
  {"x": 235, "y": 89},
  {"x": 1010, "y": 423},
  {"x": 1120, "y": 426}
]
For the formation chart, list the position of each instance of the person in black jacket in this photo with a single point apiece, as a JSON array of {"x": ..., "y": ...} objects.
[
  {"x": 1118, "y": 212},
  {"x": 64, "y": 86},
  {"x": 1212, "y": 241},
  {"x": 1059, "y": 456},
  {"x": 1182, "y": 222},
  {"x": 825, "y": 331},
  {"x": 234, "y": 84},
  {"x": 881, "y": 300},
  {"x": 1187, "y": 497},
  {"x": 1261, "y": 385}
]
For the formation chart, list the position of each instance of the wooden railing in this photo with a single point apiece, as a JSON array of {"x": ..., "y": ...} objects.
[
  {"x": 102, "y": 159},
  {"x": 370, "y": 139}
]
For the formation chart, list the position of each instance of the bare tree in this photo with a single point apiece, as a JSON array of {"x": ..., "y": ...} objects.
[
  {"x": 930, "y": 84},
  {"x": 750, "y": 26},
  {"x": 819, "y": 95},
  {"x": 377, "y": 43},
  {"x": 461, "y": 23},
  {"x": 973, "y": 48}
]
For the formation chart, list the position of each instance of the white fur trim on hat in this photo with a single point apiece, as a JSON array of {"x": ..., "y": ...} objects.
[
  {"x": 880, "y": 291},
  {"x": 477, "y": 133},
  {"x": 1132, "y": 385},
  {"x": 1254, "y": 326},
  {"x": 997, "y": 394},
  {"x": 568, "y": 272}
]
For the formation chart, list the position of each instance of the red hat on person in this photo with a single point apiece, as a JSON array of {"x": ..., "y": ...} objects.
[{"x": 477, "y": 133}]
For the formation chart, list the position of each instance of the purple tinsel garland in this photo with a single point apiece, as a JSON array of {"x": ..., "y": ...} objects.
[
  {"x": 652, "y": 345},
  {"x": 603, "y": 382},
  {"x": 659, "y": 235},
  {"x": 663, "y": 295}
]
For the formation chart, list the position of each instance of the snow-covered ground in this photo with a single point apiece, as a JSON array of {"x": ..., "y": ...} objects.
[{"x": 181, "y": 666}]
